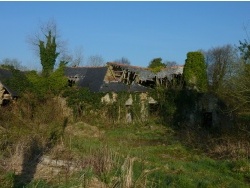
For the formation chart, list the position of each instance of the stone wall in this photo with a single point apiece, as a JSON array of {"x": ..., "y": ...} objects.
[
  {"x": 142, "y": 102},
  {"x": 206, "y": 111},
  {"x": 4, "y": 95}
]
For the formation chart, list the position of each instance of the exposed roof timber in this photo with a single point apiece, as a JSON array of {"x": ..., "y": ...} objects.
[
  {"x": 119, "y": 77},
  {"x": 146, "y": 74}
]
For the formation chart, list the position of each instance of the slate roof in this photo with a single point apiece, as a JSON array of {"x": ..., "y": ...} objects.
[
  {"x": 114, "y": 86},
  {"x": 5, "y": 74},
  {"x": 143, "y": 73},
  {"x": 93, "y": 78},
  {"x": 75, "y": 71},
  {"x": 119, "y": 87},
  {"x": 168, "y": 72},
  {"x": 138, "y": 88},
  {"x": 146, "y": 74}
]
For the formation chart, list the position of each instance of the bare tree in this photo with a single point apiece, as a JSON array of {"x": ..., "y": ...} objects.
[
  {"x": 72, "y": 59},
  {"x": 66, "y": 58},
  {"x": 236, "y": 90},
  {"x": 95, "y": 61},
  {"x": 16, "y": 64},
  {"x": 236, "y": 80},
  {"x": 170, "y": 63},
  {"x": 123, "y": 60},
  {"x": 221, "y": 64},
  {"x": 78, "y": 57},
  {"x": 40, "y": 34},
  {"x": 47, "y": 45}
]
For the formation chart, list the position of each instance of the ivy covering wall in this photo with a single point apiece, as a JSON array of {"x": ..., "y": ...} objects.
[
  {"x": 195, "y": 75},
  {"x": 126, "y": 106},
  {"x": 86, "y": 104}
]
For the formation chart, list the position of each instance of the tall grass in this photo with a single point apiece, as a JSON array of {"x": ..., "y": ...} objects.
[
  {"x": 146, "y": 154},
  {"x": 29, "y": 127}
]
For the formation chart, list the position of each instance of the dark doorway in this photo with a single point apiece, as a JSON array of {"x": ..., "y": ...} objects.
[
  {"x": 207, "y": 119},
  {"x": 153, "y": 109}
]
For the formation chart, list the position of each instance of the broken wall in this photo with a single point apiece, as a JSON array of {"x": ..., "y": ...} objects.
[
  {"x": 127, "y": 107},
  {"x": 201, "y": 110}
]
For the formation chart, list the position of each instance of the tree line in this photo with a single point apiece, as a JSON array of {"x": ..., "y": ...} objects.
[{"x": 223, "y": 70}]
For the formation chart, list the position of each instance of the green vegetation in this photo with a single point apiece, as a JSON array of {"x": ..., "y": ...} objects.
[
  {"x": 195, "y": 71},
  {"x": 56, "y": 136},
  {"x": 137, "y": 155},
  {"x": 113, "y": 153},
  {"x": 245, "y": 50},
  {"x": 222, "y": 62},
  {"x": 55, "y": 83},
  {"x": 70, "y": 125},
  {"x": 156, "y": 64},
  {"x": 18, "y": 82},
  {"x": 48, "y": 53}
]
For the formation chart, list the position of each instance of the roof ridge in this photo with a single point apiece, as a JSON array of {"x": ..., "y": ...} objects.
[
  {"x": 125, "y": 65},
  {"x": 86, "y": 67},
  {"x": 176, "y": 66}
]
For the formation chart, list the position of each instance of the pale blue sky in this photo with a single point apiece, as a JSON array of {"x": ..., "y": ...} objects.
[{"x": 139, "y": 31}]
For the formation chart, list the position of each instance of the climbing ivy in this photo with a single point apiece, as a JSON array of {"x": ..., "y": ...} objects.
[
  {"x": 54, "y": 84},
  {"x": 82, "y": 101},
  {"x": 118, "y": 110},
  {"x": 166, "y": 103},
  {"x": 48, "y": 54},
  {"x": 86, "y": 103},
  {"x": 195, "y": 71}
]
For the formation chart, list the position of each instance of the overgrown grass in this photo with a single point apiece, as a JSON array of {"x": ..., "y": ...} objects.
[
  {"x": 146, "y": 154},
  {"x": 160, "y": 160}
]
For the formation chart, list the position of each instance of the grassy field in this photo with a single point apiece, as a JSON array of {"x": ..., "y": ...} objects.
[{"x": 136, "y": 155}]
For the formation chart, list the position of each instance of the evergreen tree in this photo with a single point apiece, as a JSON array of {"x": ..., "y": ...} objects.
[
  {"x": 156, "y": 65},
  {"x": 195, "y": 75},
  {"x": 48, "y": 54}
]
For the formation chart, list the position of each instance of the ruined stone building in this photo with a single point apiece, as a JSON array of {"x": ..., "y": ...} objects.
[
  {"x": 138, "y": 75},
  {"x": 110, "y": 80},
  {"x": 116, "y": 77},
  {"x": 120, "y": 77}
]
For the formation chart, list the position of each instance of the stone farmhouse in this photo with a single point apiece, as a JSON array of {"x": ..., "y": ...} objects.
[
  {"x": 112, "y": 78},
  {"x": 115, "y": 77}
]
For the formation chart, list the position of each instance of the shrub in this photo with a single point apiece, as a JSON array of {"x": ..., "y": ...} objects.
[
  {"x": 18, "y": 82},
  {"x": 82, "y": 101},
  {"x": 55, "y": 83}
]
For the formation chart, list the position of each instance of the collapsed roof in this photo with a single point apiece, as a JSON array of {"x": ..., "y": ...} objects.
[
  {"x": 93, "y": 78},
  {"x": 147, "y": 74},
  {"x": 118, "y": 77},
  {"x": 143, "y": 73}
]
